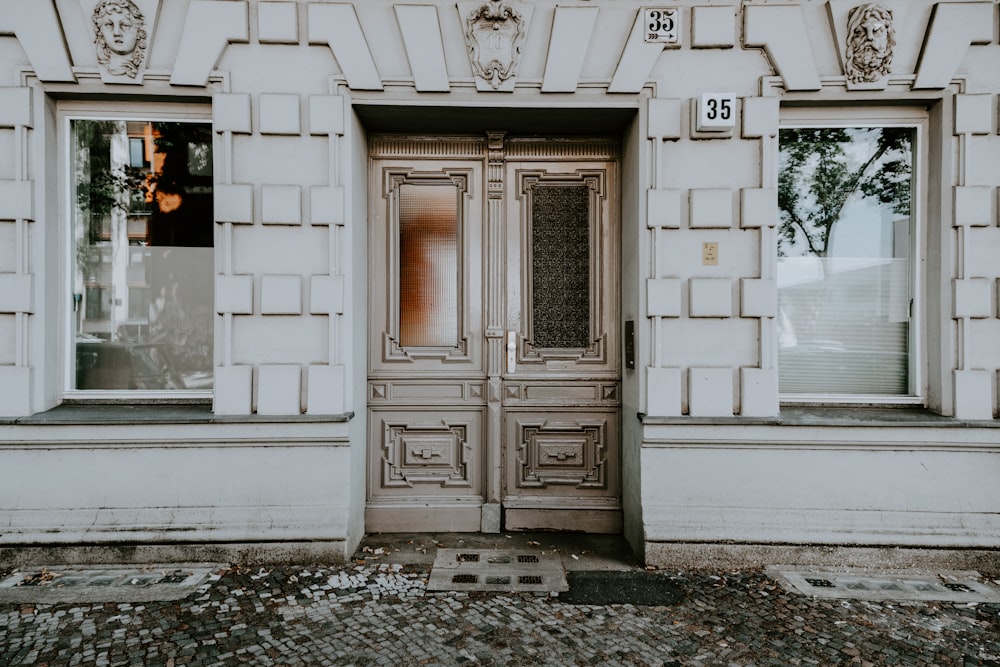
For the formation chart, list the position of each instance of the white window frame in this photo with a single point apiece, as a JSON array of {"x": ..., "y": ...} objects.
[
  {"x": 881, "y": 116},
  {"x": 68, "y": 111}
]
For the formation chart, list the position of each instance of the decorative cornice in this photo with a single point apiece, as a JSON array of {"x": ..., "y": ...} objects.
[
  {"x": 544, "y": 148},
  {"x": 419, "y": 146}
]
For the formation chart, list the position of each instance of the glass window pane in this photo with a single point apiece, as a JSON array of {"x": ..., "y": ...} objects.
[
  {"x": 560, "y": 265},
  {"x": 428, "y": 265},
  {"x": 143, "y": 232},
  {"x": 844, "y": 247}
]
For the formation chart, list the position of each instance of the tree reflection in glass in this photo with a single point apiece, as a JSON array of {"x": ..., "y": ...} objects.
[
  {"x": 844, "y": 248},
  {"x": 143, "y": 230}
]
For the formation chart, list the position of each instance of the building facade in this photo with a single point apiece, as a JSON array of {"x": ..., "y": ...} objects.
[{"x": 699, "y": 273}]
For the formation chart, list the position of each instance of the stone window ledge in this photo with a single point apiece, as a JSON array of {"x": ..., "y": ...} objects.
[
  {"x": 111, "y": 414},
  {"x": 831, "y": 416}
]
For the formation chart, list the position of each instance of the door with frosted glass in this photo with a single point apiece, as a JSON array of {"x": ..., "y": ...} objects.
[{"x": 493, "y": 388}]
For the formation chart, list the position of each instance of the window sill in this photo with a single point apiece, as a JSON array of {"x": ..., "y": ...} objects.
[
  {"x": 833, "y": 416},
  {"x": 112, "y": 414}
]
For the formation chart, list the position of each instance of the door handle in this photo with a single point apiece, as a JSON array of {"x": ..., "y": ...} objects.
[{"x": 511, "y": 351}]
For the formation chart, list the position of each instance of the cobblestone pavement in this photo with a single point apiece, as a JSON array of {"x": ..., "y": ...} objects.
[{"x": 380, "y": 614}]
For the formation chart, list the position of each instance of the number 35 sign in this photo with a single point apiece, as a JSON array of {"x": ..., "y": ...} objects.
[
  {"x": 716, "y": 112},
  {"x": 662, "y": 25}
]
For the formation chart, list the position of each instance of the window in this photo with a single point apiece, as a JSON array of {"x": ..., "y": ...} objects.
[
  {"x": 141, "y": 236},
  {"x": 428, "y": 264},
  {"x": 847, "y": 250}
]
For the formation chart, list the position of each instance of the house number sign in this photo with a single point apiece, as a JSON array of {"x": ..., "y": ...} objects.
[
  {"x": 716, "y": 112},
  {"x": 662, "y": 25}
]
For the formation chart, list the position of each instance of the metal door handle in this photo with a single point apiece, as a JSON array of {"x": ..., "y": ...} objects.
[{"x": 511, "y": 351}]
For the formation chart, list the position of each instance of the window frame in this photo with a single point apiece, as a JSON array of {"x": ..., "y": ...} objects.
[
  {"x": 917, "y": 118},
  {"x": 73, "y": 110}
]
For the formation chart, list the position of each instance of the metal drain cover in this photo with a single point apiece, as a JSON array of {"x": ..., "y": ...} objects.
[
  {"x": 110, "y": 583},
  {"x": 863, "y": 584},
  {"x": 496, "y": 570}
]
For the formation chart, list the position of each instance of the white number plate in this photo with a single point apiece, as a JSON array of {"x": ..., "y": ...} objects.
[
  {"x": 716, "y": 111},
  {"x": 662, "y": 25}
]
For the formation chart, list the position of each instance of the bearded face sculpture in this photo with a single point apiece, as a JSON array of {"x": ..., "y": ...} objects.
[
  {"x": 870, "y": 42},
  {"x": 120, "y": 36}
]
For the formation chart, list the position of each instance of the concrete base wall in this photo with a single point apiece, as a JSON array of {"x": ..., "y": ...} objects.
[
  {"x": 690, "y": 556},
  {"x": 242, "y": 554},
  {"x": 915, "y": 486},
  {"x": 176, "y": 484}
]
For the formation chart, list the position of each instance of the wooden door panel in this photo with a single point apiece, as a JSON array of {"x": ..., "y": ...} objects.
[
  {"x": 557, "y": 453},
  {"x": 425, "y": 470},
  {"x": 562, "y": 392},
  {"x": 562, "y": 277},
  {"x": 561, "y": 389},
  {"x": 424, "y": 453},
  {"x": 425, "y": 254}
]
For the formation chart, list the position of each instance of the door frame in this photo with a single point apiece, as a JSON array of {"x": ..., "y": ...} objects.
[{"x": 486, "y": 398}]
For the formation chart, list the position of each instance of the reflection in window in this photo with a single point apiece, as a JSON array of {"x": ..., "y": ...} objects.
[
  {"x": 844, "y": 260},
  {"x": 428, "y": 265},
  {"x": 142, "y": 220}
]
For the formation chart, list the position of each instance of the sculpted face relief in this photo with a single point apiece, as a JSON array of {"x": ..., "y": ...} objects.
[
  {"x": 119, "y": 31},
  {"x": 120, "y": 36},
  {"x": 870, "y": 42}
]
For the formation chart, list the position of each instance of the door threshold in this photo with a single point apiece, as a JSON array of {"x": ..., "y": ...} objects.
[
  {"x": 600, "y": 521},
  {"x": 578, "y": 551}
]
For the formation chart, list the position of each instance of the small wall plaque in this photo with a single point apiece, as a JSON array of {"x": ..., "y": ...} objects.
[
  {"x": 716, "y": 112},
  {"x": 662, "y": 25}
]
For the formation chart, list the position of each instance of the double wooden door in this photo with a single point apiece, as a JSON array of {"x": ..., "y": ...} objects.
[{"x": 494, "y": 363}]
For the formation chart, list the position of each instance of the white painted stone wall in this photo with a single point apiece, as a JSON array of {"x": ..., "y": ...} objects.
[
  {"x": 170, "y": 483},
  {"x": 282, "y": 80}
]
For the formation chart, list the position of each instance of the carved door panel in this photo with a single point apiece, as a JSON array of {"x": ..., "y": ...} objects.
[
  {"x": 493, "y": 372},
  {"x": 426, "y": 355},
  {"x": 561, "y": 381}
]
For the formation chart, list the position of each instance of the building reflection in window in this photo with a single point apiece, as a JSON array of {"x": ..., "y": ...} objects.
[{"x": 143, "y": 235}]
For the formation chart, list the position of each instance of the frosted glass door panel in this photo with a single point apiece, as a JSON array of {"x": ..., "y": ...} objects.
[{"x": 428, "y": 265}]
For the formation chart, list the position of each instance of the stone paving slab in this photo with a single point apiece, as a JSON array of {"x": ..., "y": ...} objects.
[
  {"x": 866, "y": 584},
  {"x": 382, "y": 614},
  {"x": 104, "y": 583}
]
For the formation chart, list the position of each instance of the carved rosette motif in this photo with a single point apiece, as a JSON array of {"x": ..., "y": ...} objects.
[
  {"x": 494, "y": 36},
  {"x": 871, "y": 40}
]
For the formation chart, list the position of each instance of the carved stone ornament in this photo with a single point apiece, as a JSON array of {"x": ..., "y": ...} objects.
[
  {"x": 494, "y": 35},
  {"x": 122, "y": 31},
  {"x": 871, "y": 38}
]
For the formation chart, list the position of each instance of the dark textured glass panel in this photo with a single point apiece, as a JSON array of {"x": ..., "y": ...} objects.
[
  {"x": 560, "y": 263},
  {"x": 428, "y": 265}
]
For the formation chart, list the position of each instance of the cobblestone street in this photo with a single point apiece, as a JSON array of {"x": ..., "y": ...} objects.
[{"x": 380, "y": 613}]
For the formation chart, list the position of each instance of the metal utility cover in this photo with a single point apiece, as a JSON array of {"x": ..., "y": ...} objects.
[
  {"x": 863, "y": 584},
  {"x": 111, "y": 583},
  {"x": 496, "y": 570}
]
